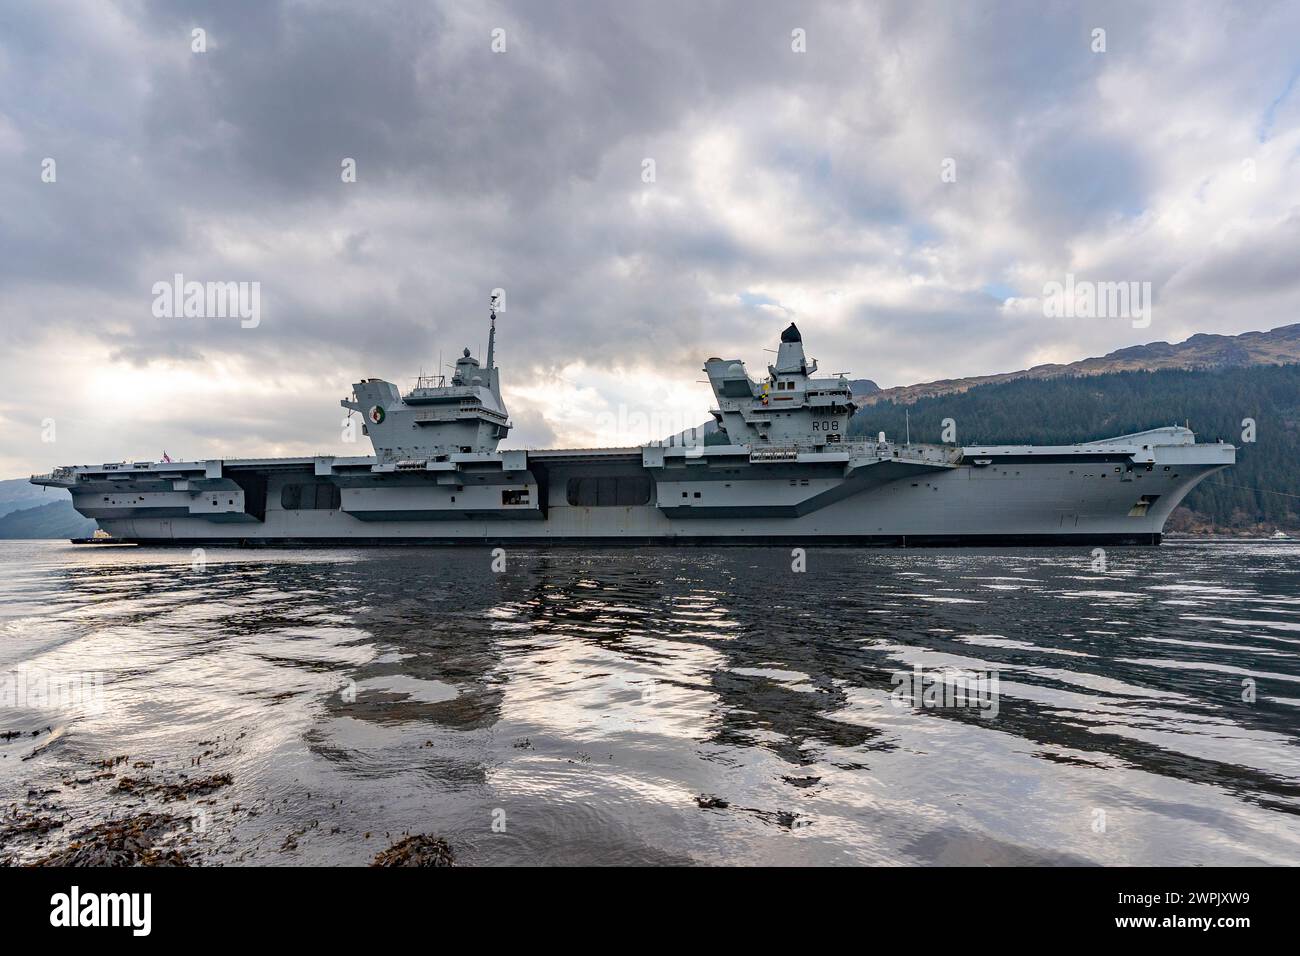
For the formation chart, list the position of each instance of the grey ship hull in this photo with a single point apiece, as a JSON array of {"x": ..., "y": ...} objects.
[{"x": 1118, "y": 491}]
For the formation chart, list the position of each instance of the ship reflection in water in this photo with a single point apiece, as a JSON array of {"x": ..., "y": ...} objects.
[{"x": 578, "y": 706}]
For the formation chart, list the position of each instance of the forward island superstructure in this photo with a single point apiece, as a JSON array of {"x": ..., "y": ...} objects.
[{"x": 781, "y": 468}]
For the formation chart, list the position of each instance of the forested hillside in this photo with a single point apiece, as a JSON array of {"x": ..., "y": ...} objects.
[
  {"x": 19, "y": 493},
  {"x": 58, "y": 519}
]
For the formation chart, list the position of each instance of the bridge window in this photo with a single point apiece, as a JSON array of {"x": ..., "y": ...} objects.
[{"x": 620, "y": 491}]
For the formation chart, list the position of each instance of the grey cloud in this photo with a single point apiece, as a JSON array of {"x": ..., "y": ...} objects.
[
  {"x": 1246, "y": 266},
  {"x": 141, "y": 355}
]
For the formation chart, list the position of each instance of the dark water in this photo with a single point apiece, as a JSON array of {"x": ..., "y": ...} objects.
[{"x": 584, "y": 700}]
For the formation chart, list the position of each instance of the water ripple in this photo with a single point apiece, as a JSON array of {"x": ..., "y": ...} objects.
[{"x": 576, "y": 707}]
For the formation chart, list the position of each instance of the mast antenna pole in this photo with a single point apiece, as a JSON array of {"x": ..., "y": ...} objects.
[{"x": 492, "y": 330}]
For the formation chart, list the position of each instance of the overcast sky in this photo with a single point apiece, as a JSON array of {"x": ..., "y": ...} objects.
[{"x": 787, "y": 185}]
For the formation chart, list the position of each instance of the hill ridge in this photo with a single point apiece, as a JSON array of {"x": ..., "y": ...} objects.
[{"x": 1203, "y": 350}]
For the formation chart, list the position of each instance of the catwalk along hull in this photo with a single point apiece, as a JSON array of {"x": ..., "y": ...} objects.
[{"x": 1118, "y": 491}]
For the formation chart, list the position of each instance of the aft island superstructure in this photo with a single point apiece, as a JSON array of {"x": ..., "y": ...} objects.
[{"x": 779, "y": 467}]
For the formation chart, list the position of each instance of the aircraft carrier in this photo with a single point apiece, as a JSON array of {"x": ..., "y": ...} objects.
[{"x": 781, "y": 468}]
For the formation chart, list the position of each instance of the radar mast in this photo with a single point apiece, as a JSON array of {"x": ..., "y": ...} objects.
[{"x": 492, "y": 330}]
